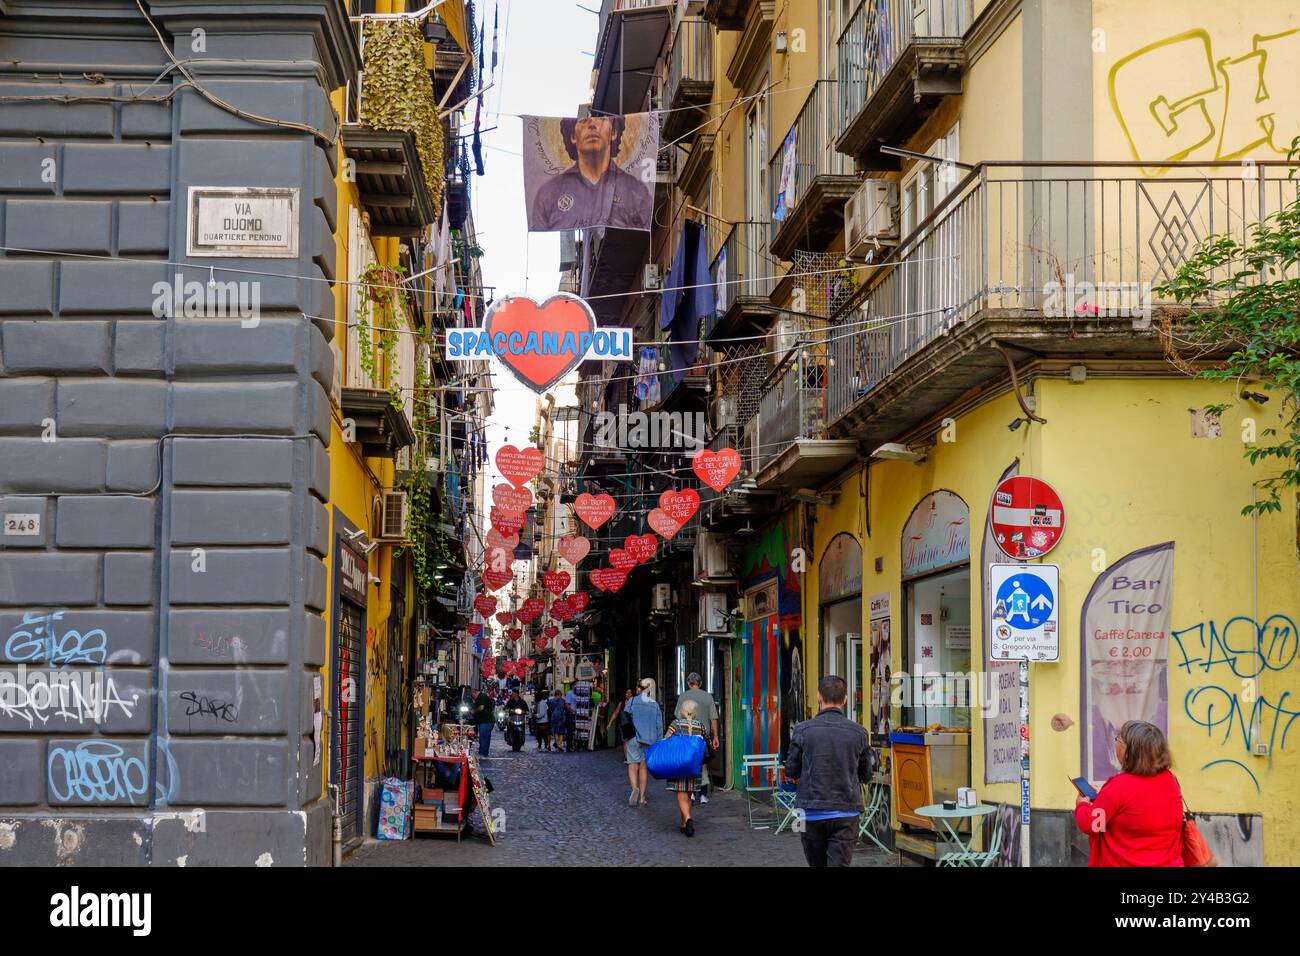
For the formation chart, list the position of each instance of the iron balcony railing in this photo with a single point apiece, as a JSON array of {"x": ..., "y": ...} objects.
[
  {"x": 876, "y": 37},
  {"x": 805, "y": 153},
  {"x": 692, "y": 56},
  {"x": 742, "y": 268},
  {"x": 793, "y": 405},
  {"x": 1059, "y": 241}
]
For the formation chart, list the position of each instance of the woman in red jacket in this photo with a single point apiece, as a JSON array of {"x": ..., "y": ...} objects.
[{"x": 1137, "y": 816}]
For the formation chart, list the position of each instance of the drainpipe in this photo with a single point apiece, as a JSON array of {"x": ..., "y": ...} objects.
[{"x": 337, "y": 839}]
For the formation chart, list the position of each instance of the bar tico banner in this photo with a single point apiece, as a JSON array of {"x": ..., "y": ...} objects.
[
  {"x": 590, "y": 171},
  {"x": 1125, "y": 636},
  {"x": 539, "y": 343}
]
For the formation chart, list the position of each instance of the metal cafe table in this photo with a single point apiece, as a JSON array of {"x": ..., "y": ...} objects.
[{"x": 960, "y": 852}]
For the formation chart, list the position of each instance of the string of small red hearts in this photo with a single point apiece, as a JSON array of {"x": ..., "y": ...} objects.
[{"x": 510, "y": 503}]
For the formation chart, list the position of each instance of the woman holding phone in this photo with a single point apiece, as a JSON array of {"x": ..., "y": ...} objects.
[{"x": 1136, "y": 818}]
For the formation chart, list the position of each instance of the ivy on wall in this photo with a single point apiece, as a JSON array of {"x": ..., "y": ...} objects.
[{"x": 396, "y": 93}]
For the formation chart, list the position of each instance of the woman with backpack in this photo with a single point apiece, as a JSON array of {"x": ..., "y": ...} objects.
[
  {"x": 688, "y": 725},
  {"x": 542, "y": 722},
  {"x": 648, "y": 726}
]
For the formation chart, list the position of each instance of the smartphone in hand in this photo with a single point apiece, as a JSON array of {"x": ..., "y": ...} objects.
[{"x": 1084, "y": 787}]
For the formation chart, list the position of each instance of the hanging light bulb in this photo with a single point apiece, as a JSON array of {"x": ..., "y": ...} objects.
[{"x": 212, "y": 278}]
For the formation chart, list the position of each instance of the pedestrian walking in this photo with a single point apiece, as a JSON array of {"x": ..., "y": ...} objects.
[
  {"x": 829, "y": 759},
  {"x": 706, "y": 709},
  {"x": 686, "y": 723},
  {"x": 542, "y": 722},
  {"x": 625, "y": 728},
  {"x": 1136, "y": 819},
  {"x": 648, "y": 728},
  {"x": 571, "y": 716},
  {"x": 484, "y": 718},
  {"x": 555, "y": 706}
]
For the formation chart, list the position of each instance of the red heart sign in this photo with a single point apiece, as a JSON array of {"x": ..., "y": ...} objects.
[
  {"x": 574, "y": 549},
  {"x": 621, "y": 559},
  {"x": 662, "y": 524},
  {"x": 561, "y": 609},
  {"x": 550, "y": 630},
  {"x": 498, "y": 559},
  {"x": 512, "y": 501},
  {"x": 542, "y": 342},
  {"x": 608, "y": 579},
  {"x": 506, "y": 524},
  {"x": 519, "y": 465},
  {"x": 556, "y": 581},
  {"x": 530, "y": 609},
  {"x": 641, "y": 546},
  {"x": 680, "y": 505},
  {"x": 597, "y": 578},
  {"x": 474, "y": 629},
  {"x": 566, "y": 644},
  {"x": 595, "y": 510},
  {"x": 495, "y": 539},
  {"x": 578, "y": 600},
  {"x": 716, "y": 469},
  {"x": 495, "y": 580},
  {"x": 505, "y": 617},
  {"x": 515, "y": 633},
  {"x": 541, "y": 642},
  {"x": 485, "y": 604}
]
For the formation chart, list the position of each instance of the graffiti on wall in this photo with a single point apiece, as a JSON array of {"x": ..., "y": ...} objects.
[
  {"x": 40, "y": 639},
  {"x": 1194, "y": 96},
  {"x": 1231, "y": 706}
]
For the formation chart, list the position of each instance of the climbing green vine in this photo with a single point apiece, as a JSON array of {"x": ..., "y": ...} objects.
[{"x": 376, "y": 313}]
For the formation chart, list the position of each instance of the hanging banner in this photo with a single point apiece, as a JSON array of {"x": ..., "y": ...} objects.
[
  {"x": 785, "y": 188},
  {"x": 539, "y": 343},
  {"x": 1124, "y": 627},
  {"x": 590, "y": 171},
  {"x": 1001, "y": 731}
]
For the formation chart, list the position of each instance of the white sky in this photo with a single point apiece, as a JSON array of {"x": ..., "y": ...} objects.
[{"x": 543, "y": 71}]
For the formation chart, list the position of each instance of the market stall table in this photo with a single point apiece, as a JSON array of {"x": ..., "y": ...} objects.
[{"x": 964, "y": 855}]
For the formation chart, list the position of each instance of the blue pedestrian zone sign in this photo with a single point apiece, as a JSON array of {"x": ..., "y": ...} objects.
[{"x": 1024, "y": 618}]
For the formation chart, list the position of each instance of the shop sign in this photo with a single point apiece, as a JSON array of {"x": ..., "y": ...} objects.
[
  {"x": 539, "y": 343},
  {"x": 840, "y": 574},
  {"x": 242, "y": 222},
  {"x": 937, "y": 534},
  {"x": 1027, "y": 516},
  {"x": 1124, "y": 628},
  {"x": 352, "y": 574},
  {"x": 1024, "y": 620}
]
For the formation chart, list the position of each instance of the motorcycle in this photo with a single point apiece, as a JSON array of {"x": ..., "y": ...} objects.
[
  {"x": 501, "y": 716},
  {"x": 516, "y": 727}
]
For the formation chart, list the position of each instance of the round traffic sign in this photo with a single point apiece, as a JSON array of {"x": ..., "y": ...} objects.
[{"x": 1027, "y": 516}]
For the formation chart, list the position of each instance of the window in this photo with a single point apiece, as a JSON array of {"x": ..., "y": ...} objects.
[
  {"x": 927, "y": 183},
  {"x": 360, "y": 256}
]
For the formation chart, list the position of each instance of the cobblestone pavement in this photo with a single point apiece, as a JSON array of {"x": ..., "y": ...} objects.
[{"x": 571, "y": 809}]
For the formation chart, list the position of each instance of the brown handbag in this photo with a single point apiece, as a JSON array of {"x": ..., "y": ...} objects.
[{"x": 1196, "y": 852}]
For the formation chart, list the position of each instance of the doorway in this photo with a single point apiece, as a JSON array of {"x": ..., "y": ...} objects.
[{"x": 842, "y": 625}]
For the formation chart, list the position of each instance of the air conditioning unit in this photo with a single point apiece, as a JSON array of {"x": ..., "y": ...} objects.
[
  {"x": 650, "y": 279},
  {"x": 712, "y": 560},
  {"x": 871, "y": 217},
  {"x": 714, "y": 615},
  {"x": 662, "y": 598},
  {"x": 783, "y": 337},
  {"x": 392, "y": 516}
]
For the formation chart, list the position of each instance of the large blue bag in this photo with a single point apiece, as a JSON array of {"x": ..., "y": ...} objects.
[{"x": 675, "y": 758}]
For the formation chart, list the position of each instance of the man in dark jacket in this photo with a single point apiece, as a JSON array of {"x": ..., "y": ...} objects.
[{"x": 830, "y": 759}]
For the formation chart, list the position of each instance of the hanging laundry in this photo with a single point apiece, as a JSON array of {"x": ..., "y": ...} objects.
[
  {"x": 688, "y": 297},
  {"x": 647, "y": 376}
]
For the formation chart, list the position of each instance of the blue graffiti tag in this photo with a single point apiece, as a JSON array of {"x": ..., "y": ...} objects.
[
  {"x": 96, "y": 771},
  {"x": 1270, "y": 646},
  {"x": 37, "y": 641},
  {"x": 1235, "y": 763}
]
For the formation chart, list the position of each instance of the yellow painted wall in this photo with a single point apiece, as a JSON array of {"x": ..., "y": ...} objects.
[
  {"x": 1119, "y": 453},
  {"x": 992, "y": 122},
  {"x": 1197, "y": 79}
]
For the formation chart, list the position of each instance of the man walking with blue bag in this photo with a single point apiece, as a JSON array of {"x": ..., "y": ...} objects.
[{"x": 830, "y": 759}]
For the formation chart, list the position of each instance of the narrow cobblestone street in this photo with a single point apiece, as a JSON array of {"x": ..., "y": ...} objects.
[{"x": 571, "y": 809}]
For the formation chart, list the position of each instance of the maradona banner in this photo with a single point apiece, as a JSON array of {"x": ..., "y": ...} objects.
[
  {"x": 590, "y": 171},
  {"x": 539, "y": 344}
]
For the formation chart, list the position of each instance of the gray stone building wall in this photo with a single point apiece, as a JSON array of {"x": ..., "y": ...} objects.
[{"x": 170, "y": 601}]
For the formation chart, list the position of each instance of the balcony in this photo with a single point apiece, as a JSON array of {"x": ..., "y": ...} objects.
[
  {"x": 726, "y": 14},
  {"x": 744, "y": 277},
  {"x": 809, "y": 181},
  {"x": 693, "y": 171},
  {"x": 988, "y": 266},
  {"x": 690, "y": 79},
  {"x": 632, "y": 34},
  {"x": 791, "y": 450},
  {"x": 898, "y": 59},
  {"x": 616, "y": 267},
  {"x": 390, "y": 180},
  {"x": 740, "y": 501},
  {"x": 753, "y": 48},
  {"x": 458, "y": 173}
]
